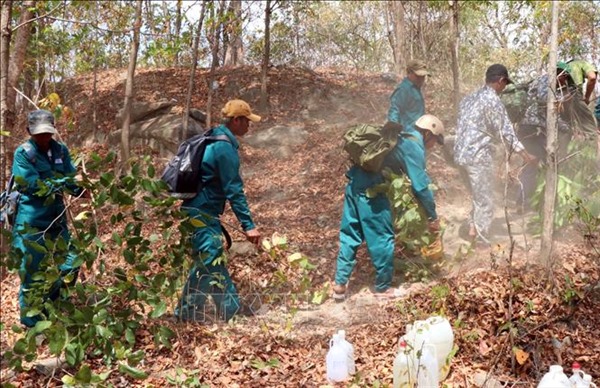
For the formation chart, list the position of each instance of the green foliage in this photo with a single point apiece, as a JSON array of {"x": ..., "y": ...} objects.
[
  {"x": 260, "y": 364},
  {"x": 186, "y": 378},
  {"x": 293, "y": 274},
  {"x": 571, "y": 293},
  {"x": 588, "y": 221},
  {"x": 577, "y": 179},
  {"x": 439, "y": 293},
  {"x": 410, "y": 221},
  {"x": 346, "y": 34},
  {"x": 99, "y": 318}
]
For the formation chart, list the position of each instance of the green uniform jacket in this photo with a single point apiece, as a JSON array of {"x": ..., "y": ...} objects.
[
  {"x": 55, "y": 169},
  {"x": 406, "y": 105},
  {"x": 222, "y": 182},
  {"x": 578, "y": 70}
]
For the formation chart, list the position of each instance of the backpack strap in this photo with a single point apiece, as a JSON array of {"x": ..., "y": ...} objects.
[
  {"x": 409, "y": 136},
  {"x": 30, "y": 151},
  {"x": 219, "y": 138},
  {"x": 227, "y": 237},
  {"x": 208, "y": 136}
]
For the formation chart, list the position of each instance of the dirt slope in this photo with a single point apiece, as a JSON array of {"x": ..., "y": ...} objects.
[{"x": 299, "y": 194}]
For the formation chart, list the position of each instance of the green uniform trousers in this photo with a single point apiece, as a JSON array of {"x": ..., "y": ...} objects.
[
  {"x": 369, "y": 220},
  {"x": 208, "y": 277}
]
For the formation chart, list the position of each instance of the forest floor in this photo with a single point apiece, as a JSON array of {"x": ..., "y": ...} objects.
[{"x": 298, "y": 193}]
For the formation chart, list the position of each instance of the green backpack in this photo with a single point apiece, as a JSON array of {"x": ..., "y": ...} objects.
[
  {"x": 367, "y": 145},
  {"x": 516, "y": 100}
]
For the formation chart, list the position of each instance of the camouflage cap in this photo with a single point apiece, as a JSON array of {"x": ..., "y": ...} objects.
[{"x": 40, "y": 121}]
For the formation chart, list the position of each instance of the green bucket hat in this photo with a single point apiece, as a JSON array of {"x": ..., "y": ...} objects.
[{"x": 563, "y": 66}]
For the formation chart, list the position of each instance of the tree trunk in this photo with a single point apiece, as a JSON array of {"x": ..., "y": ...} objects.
[
  {"x": 421, "y": 29},
  {"x": 5, "y": 17},
  {"x": 178, "y": 19},
  {"x": 95, "y": 83},
  {"x": 264, "y": 96},
  {"x": 454, "y": 53},
  {"x": 17, "y": 59},
  {"x": 234, "y": 55},
  {"x": 188, "y": 99},
  {"x": 42, "y": 86},
  {"x": 210, "y": 81},
  {"x": 396, "y": 35},
  {"x": 129, "y": 90},
  {"x": 551, "y": 151}
]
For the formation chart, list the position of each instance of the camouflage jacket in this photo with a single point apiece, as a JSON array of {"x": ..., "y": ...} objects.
[
  {"x": 481, "y": 118},
  {"x": 535, "y": 115}
]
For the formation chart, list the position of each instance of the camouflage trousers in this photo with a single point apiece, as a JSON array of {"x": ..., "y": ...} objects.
[{"x": 481, "y": 176}]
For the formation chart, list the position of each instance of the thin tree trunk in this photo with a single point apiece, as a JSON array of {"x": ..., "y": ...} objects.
[
  {"x": 454, "y": 53},
  {"x": 264, "y": 96},
  {"x": 29, "y": 80},
  {"x": 129, "y": 90},
  {"x": 396, "y": 34},
  {"x": 5, "y": 17},
  {"x": 17, "y": 58},
  {"x": 551, "y": 152},
  {"x": 210, "y": 81},
  {"x": 188, "y": 99},
  {"x": 234, "y": 55},
  {"x": 178, "y": 19},
  {"x": 423, "y": 52},
  {"x": 95, "y": 83},
  {"x": 42, "y": 87}
]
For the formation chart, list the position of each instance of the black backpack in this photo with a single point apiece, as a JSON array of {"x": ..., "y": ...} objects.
[{"x": 182, "y": 175}]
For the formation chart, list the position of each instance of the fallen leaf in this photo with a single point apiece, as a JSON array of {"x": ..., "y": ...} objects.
[
  {"x": 520, "y": 355},
  {"x": 484, "y": 348}
]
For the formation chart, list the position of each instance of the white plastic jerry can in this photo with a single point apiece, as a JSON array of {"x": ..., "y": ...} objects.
[
  {"x": 555, "y": 378},
  {"x": 349, "y": 352},
  {"x": 337, "y": 360},
  {"x": 428, "y": 370},
  {"x": 435, "y": 331},
  {"x": 405, "y": 372},
  {"x": 587, "y": 381},
  {"x": 577, "y": 378},
  {"x": 442, "y": 337}
]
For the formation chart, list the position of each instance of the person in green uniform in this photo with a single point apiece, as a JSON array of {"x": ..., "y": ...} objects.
[
  {"x": 406, "y": 102},
  {"x": 580, "y": 107},
  {"x": 220, "y": 170},
  {"x": 42, "y": 162},
  {"x": 369, "y": 219}
]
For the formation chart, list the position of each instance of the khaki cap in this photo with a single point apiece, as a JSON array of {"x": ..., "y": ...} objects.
[
  {"x": 418, "y": 67},
  {"x": 237, "y": 108}
]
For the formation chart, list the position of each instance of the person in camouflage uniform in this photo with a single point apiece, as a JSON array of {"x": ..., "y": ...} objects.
[
  {"x": 481, "y": 118},
  {"x": 532, "y": 133}
]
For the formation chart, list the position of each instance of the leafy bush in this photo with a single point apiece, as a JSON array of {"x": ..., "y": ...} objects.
[
  {"x": 410, "y": 221},
  {"x": 100, "y": 317}
]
